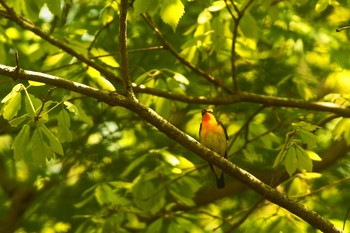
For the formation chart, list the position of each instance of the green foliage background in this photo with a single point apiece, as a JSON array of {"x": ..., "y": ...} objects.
[{"x": 97, "y": 168}]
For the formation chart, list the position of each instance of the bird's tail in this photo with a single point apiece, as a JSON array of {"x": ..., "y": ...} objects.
[{"x": 220, "y": 182}]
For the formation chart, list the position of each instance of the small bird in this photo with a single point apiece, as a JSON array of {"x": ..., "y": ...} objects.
[{"x": 213, "y": 135}]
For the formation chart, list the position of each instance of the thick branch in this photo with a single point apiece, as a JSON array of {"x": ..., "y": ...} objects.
[
  {"x": 248, "y": 179},
  {"x": 108, "y": 97},
  {"x": 123, "y": 46},
  {"x": 185, "y": 140},
  {"x": 269, "y": 101}
]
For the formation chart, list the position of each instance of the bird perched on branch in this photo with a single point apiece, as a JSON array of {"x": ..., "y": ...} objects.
[{"x": 213, "y": 135}]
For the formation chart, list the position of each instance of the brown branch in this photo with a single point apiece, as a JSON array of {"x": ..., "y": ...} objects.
[
  {"x": 110, "y": 98},
  {"x": 181, "y": 59},
  {"x": 123, "y": 47},
  {"x": 267, "y": 101},
  {"x": 186, "y": 141},
  {"x": 236, "y": 19},
  {"x": 24, "y": 23}
]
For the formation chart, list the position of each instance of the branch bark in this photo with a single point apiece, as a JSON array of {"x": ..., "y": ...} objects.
[
  {"x": 268, "y": 101},
  {"x": 123, "y": 47},
  {"x": 185, "y": 140}
]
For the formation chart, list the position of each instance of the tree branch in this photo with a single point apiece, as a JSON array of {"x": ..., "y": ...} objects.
[
  {"x": 268, "y": 101},
  {"x": 236, "y": 19},
  {"x": 185, "y": 140},
  {"x": 108, "y": 97},
  {"x": 123, "y": 47}
]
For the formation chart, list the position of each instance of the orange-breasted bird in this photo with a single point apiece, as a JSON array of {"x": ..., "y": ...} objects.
[{"x": 213, "y": 135}]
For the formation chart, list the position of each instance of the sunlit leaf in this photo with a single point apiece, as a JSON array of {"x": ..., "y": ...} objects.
[
  {"x": 12, "y": 106},
  {"x": 105, "y": 57},
  {"x": 304, "y": 161},
  {"x": 101, "y": 81},
  {"x": 171, "y": 11},
  {"x": 14, "y": 92},
  {"x": 204, "y": 17},
  {"x": 107, "y": 15},
  {"x": 321, "y": 5},
  {"x": 181, "y": 79},
  {"x": 36, "y": 84},
  {"x": 217, "y": 6},
  {"x": 313, "y": 156}
]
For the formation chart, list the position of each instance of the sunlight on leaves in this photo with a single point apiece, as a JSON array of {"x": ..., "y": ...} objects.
[{"x": 171, "y": 11}]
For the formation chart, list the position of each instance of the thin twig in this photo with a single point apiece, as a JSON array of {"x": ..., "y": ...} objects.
[
  {"x": 181, "y": 59},
  {"x": 236, "y": 19},
  {"x": 245, "y": 216},
  {"x": 246, "y": 125}
]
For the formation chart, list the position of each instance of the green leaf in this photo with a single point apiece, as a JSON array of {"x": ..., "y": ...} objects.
[
  {"x": 148, "y": 196},
  {"x": 18, "y": 120},
  {"x": 21, "y": 141},
  {"x": 279, "y": 157},
  {"x": 181, "y": 79},
  {"x": 36, "y": 84},
  {"x": 304, "y": 161},
  {"x": 217, "y": 6},
  {"x": 104, "y": 194},
  {"x": 29, "y": 101},
  {"x": 54, "y": 143},
  {"x": 181, "y": 191},
  {"x": 142, "y": 6},
  {"x": 249, "y": 27},
  {"x": 15, "y": 90},
  {"x": 137, "y": 162},
  {"x": 313, "y": 156},
  {"x": 55, "y": 7},
  {"x": 155, "y": 226},
  {"x": 305, "y": 126},
  {"x": 79, "y": 112},
  {"x": 291, "y": 160},
  {"x": 40, "y": 150},
  {"x": 321, "y": 5},
  {"x": 64, "y": 134},
  {"x": 171, "y": 11},
  {"x": 12, "y": 106},
  {"x": 101, "y": 81},
  {"x": 309, "y": 138},
  {"x": 104, "y": 57}
]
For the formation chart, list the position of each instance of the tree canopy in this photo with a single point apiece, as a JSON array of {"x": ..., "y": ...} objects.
[{"x": 101, "y": 105}]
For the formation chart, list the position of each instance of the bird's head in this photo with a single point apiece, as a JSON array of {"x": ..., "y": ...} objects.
[{"x": 207, "y": 110}]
